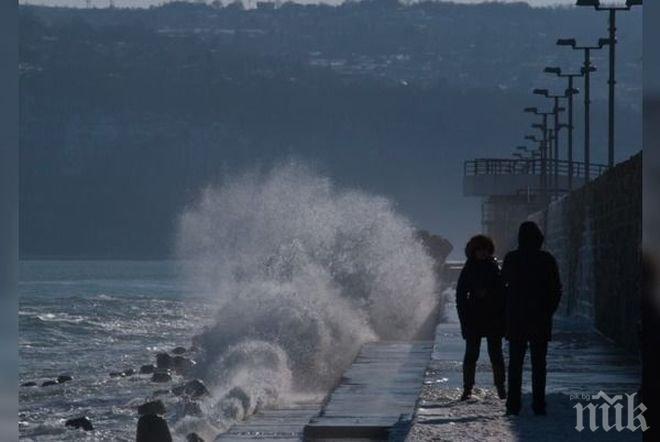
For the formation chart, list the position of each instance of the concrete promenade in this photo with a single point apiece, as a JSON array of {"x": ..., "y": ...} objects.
[
  {"x": 580, "y": 363},
  {"x": 408, "y": 391}
]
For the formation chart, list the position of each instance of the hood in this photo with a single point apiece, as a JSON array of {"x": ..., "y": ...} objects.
[{"x": 530, "y": 236}]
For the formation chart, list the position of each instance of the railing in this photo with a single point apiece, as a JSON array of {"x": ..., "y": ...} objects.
[{"x": 498, "y": 166}]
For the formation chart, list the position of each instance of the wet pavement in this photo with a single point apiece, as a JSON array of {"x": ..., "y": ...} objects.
[
  {"x": 581, "y": 363},
  {"x": 380, "y": 393}
]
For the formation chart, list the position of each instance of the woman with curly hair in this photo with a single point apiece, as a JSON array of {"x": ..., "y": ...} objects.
[{"x": 480, "y": 301}]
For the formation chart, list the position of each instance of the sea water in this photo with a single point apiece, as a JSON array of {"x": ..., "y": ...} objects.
[{"x": 281, "y": 277}]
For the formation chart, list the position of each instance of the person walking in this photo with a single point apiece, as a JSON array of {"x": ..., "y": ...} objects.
[
  {"x": 533, "y": 292},
  {"x": 480, "y": 305}
]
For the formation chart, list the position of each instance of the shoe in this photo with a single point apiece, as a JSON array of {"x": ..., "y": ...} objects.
[
  {"x": 467, "y": 394},
  {"x": 501, "y": 391}
]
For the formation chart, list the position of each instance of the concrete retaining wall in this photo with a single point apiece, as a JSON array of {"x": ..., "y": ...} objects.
[{"x": 595, "y": 233}]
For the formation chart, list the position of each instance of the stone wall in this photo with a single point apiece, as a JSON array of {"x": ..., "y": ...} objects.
[{"x": 595, "y": 233}]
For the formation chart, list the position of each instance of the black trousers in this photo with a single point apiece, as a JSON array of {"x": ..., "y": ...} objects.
[
  {"x": 538, "y": 351},
  {"x": 472, "y": 349}
]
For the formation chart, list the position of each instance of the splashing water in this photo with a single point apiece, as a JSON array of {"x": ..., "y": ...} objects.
[{"x": 304, "y": 274}]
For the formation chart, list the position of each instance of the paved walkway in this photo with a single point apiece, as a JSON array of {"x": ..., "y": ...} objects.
[
  {"x": 375, "y": 398},
  {"x": 580, "y": 362}
]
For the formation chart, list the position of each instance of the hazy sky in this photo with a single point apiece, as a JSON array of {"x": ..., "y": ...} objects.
[{"x": 143, "y": 3}]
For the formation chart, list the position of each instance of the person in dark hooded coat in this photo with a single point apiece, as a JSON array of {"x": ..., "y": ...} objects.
[
  {"x": 480, "y": 305},
  {"x": 533, "y": 291}
]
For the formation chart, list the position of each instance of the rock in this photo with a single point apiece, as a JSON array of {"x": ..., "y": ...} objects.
[
  {"x": 152, "y": 428},
  {"x": 179, "y": 390},
  {"x": 128, "y": 372},
  {"x": 182, "y": 365},
  {"x": 179, "y": 351},
  {"x": 82, "y": 423},
  {"x": 152, "y": 407},
  {"x": 436, "y": 246},
  {"x": 29, "y": 384},
  {"x": 163, "y": 360},
  {"x": 194, "y": 437},
  {"x": 64, "y": 378},
  {"x": 241, "y": 395},
  {"x": 161, "y": 376},
  {"x": 191, "y": 408},
  {"x": 160, "y": 393},
  {"x": 196, "y": 389},
  {"x": 48, "y": 383},
  {"x": 116, "y": 374},
  {"x": 147, "y": 369}
]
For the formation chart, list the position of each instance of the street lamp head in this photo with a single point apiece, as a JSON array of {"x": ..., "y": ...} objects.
[
  {"x": 530, "y": 138},
  {"x": 604, "y": 42},
  {"x": 591, "y": 69},
  {"x": 630, "y": 3},
  {"x": 566, "y": 42},
  {"x": 552, "y": 70},
  {"x": 593, "y": 3},
  {"x": 572, "y": 91},
  {"x": 531, "y": 110},
  {"x": 523, "y": 148},
  {"x": 538, "y": 126},
  {"x": 543, "y": 92}
]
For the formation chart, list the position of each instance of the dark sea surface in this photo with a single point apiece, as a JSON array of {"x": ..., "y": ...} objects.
[{"x": 87, "y": 319}]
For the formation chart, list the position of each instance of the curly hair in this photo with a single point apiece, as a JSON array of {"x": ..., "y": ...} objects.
[{"x": 479, "y": 242}]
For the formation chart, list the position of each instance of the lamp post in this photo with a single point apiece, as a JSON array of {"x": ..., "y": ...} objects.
[
  {"x": 612, "y": 10},
  {"x": 545, "y": 150},
  {"x": 570, "y": 91},
  {"x": 555, "y": 139},
  {"x": 538, "y": 153},
  {"x": 587, "y": 69}
]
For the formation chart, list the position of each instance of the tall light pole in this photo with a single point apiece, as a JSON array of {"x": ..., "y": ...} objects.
[
  {"x": 587, "y": 69},
  {"x": 612, "y": 10},
  {"x": 538, "y": 153},
  {"x": 570, "y": 91},
  {"x": 543, "y": 127},
  {"x": 556, "y": 110}
]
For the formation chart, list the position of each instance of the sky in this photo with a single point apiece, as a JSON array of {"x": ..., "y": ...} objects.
[{"x": 145, "y": 3}]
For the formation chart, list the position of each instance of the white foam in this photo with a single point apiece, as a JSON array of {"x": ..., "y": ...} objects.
[{"x": 304, "y": 274}]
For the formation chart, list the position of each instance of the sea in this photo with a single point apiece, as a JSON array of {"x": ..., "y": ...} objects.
[{"x": 86, "y": 319}]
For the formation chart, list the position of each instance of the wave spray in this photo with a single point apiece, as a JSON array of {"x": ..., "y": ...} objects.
[{"x": 303, "y": 273}]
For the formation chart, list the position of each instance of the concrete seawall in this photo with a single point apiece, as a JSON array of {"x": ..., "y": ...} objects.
[{"x": 595, "y": 233}]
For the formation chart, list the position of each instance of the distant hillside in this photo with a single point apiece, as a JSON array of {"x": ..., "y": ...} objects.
[{"x": 127, "y": 113}]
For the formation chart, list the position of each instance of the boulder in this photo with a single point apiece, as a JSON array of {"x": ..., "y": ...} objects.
[
  {"x": 152, "y": 428},
  {"x": 29, "y": 384},
  {"x": 436, "y": 246},
  {"x": 64, "y": 378},
  {"x": 147, "y": 369},
  {"x": 182, "y": 365},
  {"x": 152, "y": 407},
  {"x": 191, "y": 408},
  {"x": 179, "y": 351},
  {"x": 196, "y": 389},
  {"x": 194, "y": 437},
  {"x": 82, "y": 423},
  {"x": 161, "y": 376},
  {"x": 116, "y": 374},
  {"x": 163, "y": 360},
  {"x": 48, "y": 383},
  {"x": 128, "y": 372},
  {"x": 179, "y": 390}
]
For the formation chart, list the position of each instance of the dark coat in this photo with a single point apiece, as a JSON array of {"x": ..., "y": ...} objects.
[
  {"x": 533, "y": 289},
  {"x": 480, "y": 299}
]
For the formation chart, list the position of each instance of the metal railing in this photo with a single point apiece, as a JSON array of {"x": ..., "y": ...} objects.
[{"x": 505, "y": 166}]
